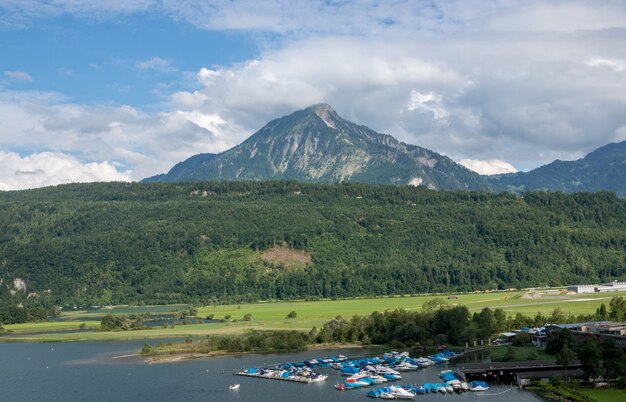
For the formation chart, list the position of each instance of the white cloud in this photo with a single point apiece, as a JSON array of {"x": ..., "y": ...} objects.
[
  {"x": 615, "y": 65},
  {"x": 156, "y": 64},
  {"x": 430, "y": 102},
  {"x": 517, "y": 80},
  {"x": 52, "y": 168},
  {"x": 142, "y": 143},
  {"x": 492, "y": 166},
  {"x": 19, "y": 75}
]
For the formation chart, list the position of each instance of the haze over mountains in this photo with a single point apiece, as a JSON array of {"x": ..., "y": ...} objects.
[{"x": 317, "y": 145}]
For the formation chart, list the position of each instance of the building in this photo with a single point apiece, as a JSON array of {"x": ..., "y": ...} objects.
[
  {"x": 611, "y": 287},
  {"x": 599, "y": 330},
  {"x": 605, "y": 287},
  {"x": 582, "y": 288}
]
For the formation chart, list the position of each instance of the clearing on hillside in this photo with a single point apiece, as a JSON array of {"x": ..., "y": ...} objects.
[{"x": 282, "y": 256}]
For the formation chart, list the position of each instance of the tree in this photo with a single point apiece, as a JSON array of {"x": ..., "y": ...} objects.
[
  {"x": 292, "y": 314},
  {"x": 618, "y": 308},
  {"x": 509, "y": 355},
  {"x": 557, "y": 339},
  {"x": 565, "y": 357},
  {"x": 247, "y": 317},
  {"x": 590, "y": 355},
  {"x": 485, "y": 323},
  {"x": 601, "y": 312},
  {"x": 500, "y": 319},
  {"x": 521, "y": 339},
  {"x": 612, "y": 358}
]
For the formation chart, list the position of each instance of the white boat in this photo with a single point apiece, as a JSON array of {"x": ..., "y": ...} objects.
[
  {"x": 387, "y": 395},
  {"x": 406, "y": 366},
  {"x": 425, "y": 362},
  {"x": 464, "y": 386},
  {"x": 449, "y": 388},
  {"x": 401, "y": 393},
  {"x": 233, "y": 386},
  {"x": 480, "y": 388}
]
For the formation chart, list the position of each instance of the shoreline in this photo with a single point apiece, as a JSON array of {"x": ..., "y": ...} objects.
[{"x": 179, "y": 357}]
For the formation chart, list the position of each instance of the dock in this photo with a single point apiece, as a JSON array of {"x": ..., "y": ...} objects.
[
  {"x": 300, "y": 379},
  {"x": 509, "y": 369}
]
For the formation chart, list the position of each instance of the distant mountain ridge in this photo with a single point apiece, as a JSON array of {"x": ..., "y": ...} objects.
[
  {"x": 602, "y": 169},
  {"x": 317, "y": 145}
]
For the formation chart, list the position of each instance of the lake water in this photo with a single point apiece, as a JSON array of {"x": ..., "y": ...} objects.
[{"x": 92, "y": 371}]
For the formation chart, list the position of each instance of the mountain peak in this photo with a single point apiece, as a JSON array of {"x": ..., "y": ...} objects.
[
  {"x": 316, "y": 144},
  {"x": 325, "y": 112}
]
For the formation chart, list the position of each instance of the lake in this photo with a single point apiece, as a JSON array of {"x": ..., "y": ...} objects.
[{"x": 93, "y": 371}]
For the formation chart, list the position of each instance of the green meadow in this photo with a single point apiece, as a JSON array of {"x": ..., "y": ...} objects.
[{"x": 273, "y": 315}]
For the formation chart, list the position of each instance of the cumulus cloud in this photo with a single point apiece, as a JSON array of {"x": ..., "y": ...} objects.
[
  {"x": 492, "y": 166},
  {"x": 19, "y": 75},
  {"x": 52, "y": 168},
  {"x": 143, "y": 144},
  {"x": 482, "y": 81}
]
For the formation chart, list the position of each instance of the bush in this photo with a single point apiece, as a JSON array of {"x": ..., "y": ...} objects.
[
  {"x": 292, "y": 315},
  {"x": 247, "y": 317},
  {"x": 146, "y": 350},
  {"x": 532, "y": 355},
  {"x": 227, "y": 317},
  {"x": 210, "y": 316}
]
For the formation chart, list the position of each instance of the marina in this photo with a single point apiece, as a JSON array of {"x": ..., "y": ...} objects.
[{"x": 74, "y": 367}]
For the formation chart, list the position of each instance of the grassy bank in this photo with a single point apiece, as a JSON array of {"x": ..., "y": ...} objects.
[
  {"x": 273, "y": 315},
  {"x": 604, "y": 394}
]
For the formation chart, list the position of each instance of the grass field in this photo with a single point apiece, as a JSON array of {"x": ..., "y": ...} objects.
[
  {"x": 309, "y": 313},
  {"x": 604, "y": 394}
]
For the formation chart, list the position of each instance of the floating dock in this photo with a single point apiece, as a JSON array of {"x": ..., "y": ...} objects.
[{"x": 300, "y": 379}]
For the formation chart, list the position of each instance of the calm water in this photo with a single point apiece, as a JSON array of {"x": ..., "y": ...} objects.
[{"x": 91, "y": 371}]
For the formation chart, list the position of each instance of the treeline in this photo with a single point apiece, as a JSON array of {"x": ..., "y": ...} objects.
[
  {"x": 118, "y": 243},
  {"x": 439, "y": 323},
  {"x": 256, "y": 341}
]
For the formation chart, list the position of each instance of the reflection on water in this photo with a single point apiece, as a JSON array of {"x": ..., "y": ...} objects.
[{"x": 103, "y": 371}]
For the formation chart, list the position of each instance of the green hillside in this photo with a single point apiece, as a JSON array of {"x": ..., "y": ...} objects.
[{"x": 242, "y": 241}]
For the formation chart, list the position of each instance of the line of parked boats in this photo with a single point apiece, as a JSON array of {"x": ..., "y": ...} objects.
[
  {"x": 451, "y": 383},
  {"x": 304, "y": 374}
]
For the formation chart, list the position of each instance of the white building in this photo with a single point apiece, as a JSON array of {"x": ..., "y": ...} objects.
[
  {"x": 611, "y": 287},
  {"x": 582, "y": 288}
]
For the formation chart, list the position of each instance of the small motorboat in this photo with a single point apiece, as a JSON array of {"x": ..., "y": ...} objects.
[
  {"x": 340, "y": 387},
  {"x": 233, "y": 387}
]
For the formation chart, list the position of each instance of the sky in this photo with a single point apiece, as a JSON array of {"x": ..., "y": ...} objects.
[{"x": 105, "y": 90}]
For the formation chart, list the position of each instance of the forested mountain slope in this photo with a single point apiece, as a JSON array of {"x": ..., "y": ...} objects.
[{"x": 180, "y": 242}]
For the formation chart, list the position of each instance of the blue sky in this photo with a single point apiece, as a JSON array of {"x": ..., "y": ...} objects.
[
  {"x": 122, "y": 61},
  {"x": 124, "y": 89}
]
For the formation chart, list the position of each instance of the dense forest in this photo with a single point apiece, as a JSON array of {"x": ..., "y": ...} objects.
[{"x": 107, "y": 243}]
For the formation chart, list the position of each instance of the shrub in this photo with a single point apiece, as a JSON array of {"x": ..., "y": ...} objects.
[
  {"x": 247, "y": 317},
  {"x": 292, "y": 314}
]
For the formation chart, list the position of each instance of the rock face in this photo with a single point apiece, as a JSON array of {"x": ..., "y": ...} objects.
[
  {"x": 602, "y": 169},
  {"x": 317, "y": 145}
]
